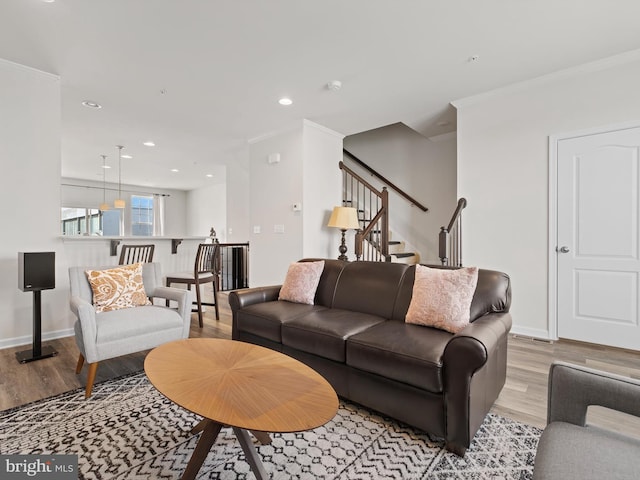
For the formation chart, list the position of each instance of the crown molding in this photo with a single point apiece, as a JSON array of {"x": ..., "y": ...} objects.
[
  {"x": 595, "y": 66},
  {"x": 322, "y": 128},
  {"x": 271, "y": 134},
  {"x": 30, "y": 69}
]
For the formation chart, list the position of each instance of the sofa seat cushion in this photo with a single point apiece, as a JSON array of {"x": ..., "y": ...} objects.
[
  {"x": 265, "y": 319},
  {"x": 408, "y": 353},
  {"x": 324, "y": 332},
  {"x": 133, "y": 322},
  {"x": 570, "y": 452}
]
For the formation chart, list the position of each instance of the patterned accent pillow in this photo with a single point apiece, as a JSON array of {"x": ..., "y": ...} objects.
[
  {"x": 117, "y": 288},
  {"x": 442, "y": 298},
  {"x": 301, "y": 282}
]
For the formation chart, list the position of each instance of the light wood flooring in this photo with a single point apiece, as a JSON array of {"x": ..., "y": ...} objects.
[{"x": 523, "y": 398}]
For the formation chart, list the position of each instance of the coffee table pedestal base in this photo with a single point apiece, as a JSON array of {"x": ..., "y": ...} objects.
[{"x": 210, "y": 431}]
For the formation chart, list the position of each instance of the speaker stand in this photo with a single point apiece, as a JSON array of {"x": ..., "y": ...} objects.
[{"x": 37, "y": 352}]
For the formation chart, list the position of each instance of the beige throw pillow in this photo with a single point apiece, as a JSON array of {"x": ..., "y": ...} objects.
[
  {"x": 301, "y": 282},
  {"x": 442, "y": 298},
  {"x": 117, "y": 288}
]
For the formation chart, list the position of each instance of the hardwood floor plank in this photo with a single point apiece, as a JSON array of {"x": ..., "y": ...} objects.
[{"x": 524, "y": 397}]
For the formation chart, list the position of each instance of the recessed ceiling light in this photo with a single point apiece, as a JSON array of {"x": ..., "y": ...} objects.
[
  {"x": 106, "y": 166},
  {"x": 48, "y": 1},
  {"x": 175, "y": 170},
  {"x": 209, "y": 175},
  {"x": 127, "y": 156},
  {"x": 149, "y": 144},
  {"x": 91, "y": 104},
  {"x": 285, "y": 101}
]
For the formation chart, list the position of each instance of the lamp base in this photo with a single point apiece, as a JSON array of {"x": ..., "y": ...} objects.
[{"x": 343, "y": 248}]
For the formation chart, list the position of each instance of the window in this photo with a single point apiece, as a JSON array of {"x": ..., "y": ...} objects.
[
  {"x": 141, "y": 215},
  {"x": 90, "y": 221}
]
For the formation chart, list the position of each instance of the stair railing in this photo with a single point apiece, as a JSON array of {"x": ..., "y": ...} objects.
[
  {"x": 450, "y": 239},
  {"x": 384, "y": 180},
  {"x": 372, "y": 240},
  {"x": 233, "y": 266}
]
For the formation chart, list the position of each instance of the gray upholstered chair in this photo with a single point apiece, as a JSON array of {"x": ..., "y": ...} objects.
[
  {"x": 570, "y": 448},
  {"x": 105, "y": 335}
]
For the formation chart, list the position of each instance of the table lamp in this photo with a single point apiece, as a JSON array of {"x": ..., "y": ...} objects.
[{"x": 344, "y": 218}]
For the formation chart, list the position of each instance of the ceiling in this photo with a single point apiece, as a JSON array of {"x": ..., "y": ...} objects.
[{"x": 202, "y": 77}]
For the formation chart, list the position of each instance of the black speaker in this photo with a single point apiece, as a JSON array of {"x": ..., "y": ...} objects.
[{"x": 36, "y": 271}]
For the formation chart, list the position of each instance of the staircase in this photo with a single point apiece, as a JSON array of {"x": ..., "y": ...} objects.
[
  {"x": 397, "y": 248},
  {"x": 373, "y": 240},
  {"x": 398, "y": 254}
]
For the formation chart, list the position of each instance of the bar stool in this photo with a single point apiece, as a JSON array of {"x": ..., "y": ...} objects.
[
  {"x": 136, "y": 253},
  {"x": 205, "y": 270}
]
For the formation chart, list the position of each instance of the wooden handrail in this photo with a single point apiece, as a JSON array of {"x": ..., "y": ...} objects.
[
  {"x": 342, "y": 166},
  {"x": 380, "y": 212},
  {"x": 450, "y": 238},
  {"x": 384, "y": 180},
  {"x": 462, "y": 203}
]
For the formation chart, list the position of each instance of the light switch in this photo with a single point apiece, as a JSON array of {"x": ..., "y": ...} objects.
[
  {"x": 278, "y": 228},
  {"x": 256, "y": 229}
]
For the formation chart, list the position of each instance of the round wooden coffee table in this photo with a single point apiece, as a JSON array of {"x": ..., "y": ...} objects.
[{"x": 244, "y": 386}]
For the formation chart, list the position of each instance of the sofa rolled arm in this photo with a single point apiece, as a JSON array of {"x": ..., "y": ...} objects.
[
  {"x": 467, "y": 352},
  {"x": 242, "y": 298},
  {"x": 573, "y": 388}
]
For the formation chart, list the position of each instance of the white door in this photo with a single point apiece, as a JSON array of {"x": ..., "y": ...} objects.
[{"x": 598, "y": 254}]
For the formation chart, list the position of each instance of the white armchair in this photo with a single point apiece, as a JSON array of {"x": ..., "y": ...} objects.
[{"x": 110, "y": 334}]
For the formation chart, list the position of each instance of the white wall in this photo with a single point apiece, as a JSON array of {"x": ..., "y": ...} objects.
[
  {"x": 274, "y": 187},
  {"x": 307, "y": 173},
  {"x": 503, "y": 169},
  {"x": 322, "y": 149},
  {"x": 423, "y": 168},
  {"x": 237, "y": 201},
  {"x": 29, "y": 196},
  {"x": 206, "y": 208}
]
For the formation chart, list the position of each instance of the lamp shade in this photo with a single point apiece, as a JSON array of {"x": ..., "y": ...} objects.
[{"x": 344, "y": 218}]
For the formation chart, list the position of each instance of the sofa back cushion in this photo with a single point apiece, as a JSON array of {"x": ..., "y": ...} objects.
[
  {"x": 493, "y": 293},
  {"x": 369, "y": 287}
]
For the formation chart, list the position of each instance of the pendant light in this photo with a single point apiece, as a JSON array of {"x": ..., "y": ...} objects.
[
  {"x": 119, "y": 203},
  {"x": 104, "y": 206}
]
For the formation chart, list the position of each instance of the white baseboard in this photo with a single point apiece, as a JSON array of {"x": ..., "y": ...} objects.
[
  {"x": 28, "y": 339},
  {"x": 532, "y": 332}
]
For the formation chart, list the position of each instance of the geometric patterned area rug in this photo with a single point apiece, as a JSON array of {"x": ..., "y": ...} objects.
[{"x": 127, "y": 430}]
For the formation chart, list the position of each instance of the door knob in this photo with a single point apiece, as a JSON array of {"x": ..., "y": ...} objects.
[{"x": 563, "y": 249}]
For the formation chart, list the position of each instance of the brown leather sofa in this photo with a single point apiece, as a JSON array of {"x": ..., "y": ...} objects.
[{"x": 356, "y": 337}]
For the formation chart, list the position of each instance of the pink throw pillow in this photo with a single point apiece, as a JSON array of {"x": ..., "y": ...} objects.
[
  {"x": 442, "y": 298},
  {"x": 301, "y": 282}
]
